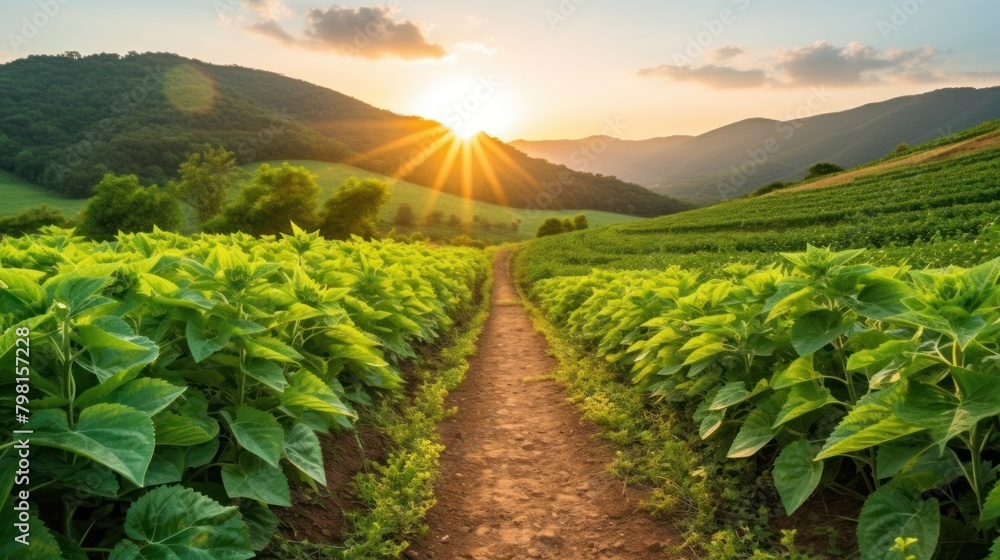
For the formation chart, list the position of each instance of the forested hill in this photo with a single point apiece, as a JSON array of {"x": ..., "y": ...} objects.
[{"x": 66, "y": 120}]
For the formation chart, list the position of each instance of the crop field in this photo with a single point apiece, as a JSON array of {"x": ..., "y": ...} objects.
[
  {"x": 843, "y": 340},
  {"x": 180, "y": 383},
  {"x": 932, "y": 214}
]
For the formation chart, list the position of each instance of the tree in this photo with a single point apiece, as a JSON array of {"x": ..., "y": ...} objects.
[
  {"x": 120, "y": 203},
  {"x": 277, "y": 197},
  {"x": 551, "y": 226},
  {"x": 567, "y": 224},
  {"x": 404, "y": 216},
  {"x": 580, "y": 222},
  {"x": 353, "y": 209},
  {"x": 205, "y": 177},
  {"x": 434, "y": 218},
  {"x": 821, "y": 169},
  {"x": 454, "y": 221}
]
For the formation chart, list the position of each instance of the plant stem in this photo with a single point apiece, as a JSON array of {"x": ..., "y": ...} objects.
[{"x": 70, "y": 383}]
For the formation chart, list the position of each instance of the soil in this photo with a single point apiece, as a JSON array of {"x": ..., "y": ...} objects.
[
  {"x": 522, "y": 475},
  {"x": 319, "y": 517}
]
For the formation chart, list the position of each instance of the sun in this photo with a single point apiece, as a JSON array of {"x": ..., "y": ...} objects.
[
  {"x": 467, "y": 107},
  {"x": 465, "y": 133}
]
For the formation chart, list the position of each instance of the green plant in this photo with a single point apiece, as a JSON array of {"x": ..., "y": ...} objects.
[
  {"x": 179, "y": 383},
  {"x": 825, "y": 363}
]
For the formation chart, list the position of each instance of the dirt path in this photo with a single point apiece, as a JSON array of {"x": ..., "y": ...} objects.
[{"x": 522, "y": 476}]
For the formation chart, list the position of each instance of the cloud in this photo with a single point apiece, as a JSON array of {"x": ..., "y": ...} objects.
[
  {"x": 856, "y": 64},
  {"x": 819, "y": 64},
  {"x": 713, "y": 75},
  {"x": 372, "y": 32},
  {"x": 268, "y": 9},
  {"x": 477, "y": 48},
  {"x": 725, "y": 53}
]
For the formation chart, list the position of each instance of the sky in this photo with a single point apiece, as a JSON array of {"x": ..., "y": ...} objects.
[{"x": 553, "y": 69}]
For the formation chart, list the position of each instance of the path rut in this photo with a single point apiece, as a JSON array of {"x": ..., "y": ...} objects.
[{"x": 522, "y": 476}]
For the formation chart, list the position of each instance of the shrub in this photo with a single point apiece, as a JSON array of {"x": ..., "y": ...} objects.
[
  {"x": 551, "y": 226},
  {"x": 354, "y": 209},
  {"x": 277, "y": 197},
  {"x": 122, "y": 204},
  {"x": 30, "y": 220}
]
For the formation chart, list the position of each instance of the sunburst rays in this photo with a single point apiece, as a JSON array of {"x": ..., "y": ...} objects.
[{"x": 476, "y": 159}]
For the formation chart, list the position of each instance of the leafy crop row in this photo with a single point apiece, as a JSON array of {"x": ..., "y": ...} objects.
[
  {"x": 883, "y": 382},
  {"x": 179, "y": 384},
  {"x": 938, "y": 201}
]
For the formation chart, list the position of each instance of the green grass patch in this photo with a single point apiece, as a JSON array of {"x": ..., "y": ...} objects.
[{"x": 19, "y": 194}]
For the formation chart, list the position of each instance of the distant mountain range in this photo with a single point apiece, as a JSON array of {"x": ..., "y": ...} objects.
[
  {"x": 67, "y": 120},
  {"x": 741, "y": 157}
]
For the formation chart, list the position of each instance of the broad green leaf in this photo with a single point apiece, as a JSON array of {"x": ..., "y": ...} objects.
[
  {"x": 991, "y": 506},
  {"x": 731, "y": 394},
  {"x": 167, "y": 467},
  {"x": 946, "y": 415},
  {"x": 147, "y": 394},
  {"x": 184, "y": 431},
  {"x": 881, "y": 298},
  {"x": 757, "y": 430},
  {"x": 813, "y": 331},
  {"x": 116, "y": 436},
  {"x": 871, "y": 362},
  {"x": 897, "y": 510},
  {"x": 872, "y": 422},
  {"x": 268, "y": 373},
  {"x": 268, "y": 348},
  {"x": 302, "y": 448},
  {"x": 803, "y": 399},
  {"x": 112, "y": 347},
  {"x": 796, "y": 475},
  {"x": 253, "y": 478},
  {"x": 201, "y": 345},
  {"x": 711, "y": 423},
  {"x": 175, "y": 523},
  {"x": 310, "y": 393},
  {"x": 261, "y": 523},
  {"x": 19, "y": 290},
  {"x": 799, "y": 371},
  {"x": 258, "y": 432}
]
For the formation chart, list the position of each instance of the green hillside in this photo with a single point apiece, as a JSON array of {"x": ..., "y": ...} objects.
[
  {"x": 331, "y": 176},
  {"x": 738, "y": 158},
  {"x": 67, "y": 120},
  {"x": 935, "y": 213}
]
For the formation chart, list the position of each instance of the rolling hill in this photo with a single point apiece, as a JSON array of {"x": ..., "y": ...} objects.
[
  {"x": 67, "y": 120},
  {"x": 934, "y": 206},
  {"x": 707, "y": 168}
]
